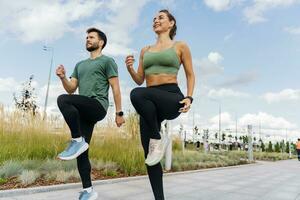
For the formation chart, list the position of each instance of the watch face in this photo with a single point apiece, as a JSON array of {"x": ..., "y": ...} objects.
[{"x": 120, "y": 113}]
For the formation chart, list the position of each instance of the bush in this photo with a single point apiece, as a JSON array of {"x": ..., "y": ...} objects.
[
  {"x": 10, "y": 168},
  {"x": 29, "y": 177},
  {"x": 64, "y": 176},
  {"x": 3, "y": 180}
]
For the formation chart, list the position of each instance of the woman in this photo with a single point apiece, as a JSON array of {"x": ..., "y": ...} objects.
[
  {"x": 298, "y": 148},
  {"x": 162, "y": 98}
]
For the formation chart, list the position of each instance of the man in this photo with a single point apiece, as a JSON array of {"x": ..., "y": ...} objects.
[{"x": 92, "y": 77}]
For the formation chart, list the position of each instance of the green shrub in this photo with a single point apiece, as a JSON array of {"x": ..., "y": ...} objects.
[
  {"x": 29, "y": 177},
  {"x": 10, "y": 168}
]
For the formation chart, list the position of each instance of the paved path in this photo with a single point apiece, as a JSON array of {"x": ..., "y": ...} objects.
[{"x": 263, "y": 181}]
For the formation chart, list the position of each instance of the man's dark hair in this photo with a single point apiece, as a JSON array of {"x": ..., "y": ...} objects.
[{"x": 101, "y": 35}]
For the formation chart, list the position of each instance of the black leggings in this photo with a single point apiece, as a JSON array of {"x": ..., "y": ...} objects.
[
  {"x": 81, "y": 113},
  {"x": 155, "y": 104}
]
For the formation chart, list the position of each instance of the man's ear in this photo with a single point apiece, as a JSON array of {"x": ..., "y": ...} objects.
[{"x": 101, "y": 43}]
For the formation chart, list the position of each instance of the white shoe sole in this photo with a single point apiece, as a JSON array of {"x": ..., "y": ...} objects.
[
  {"x": 94, "y": 196},
  {"x": 155, "y": 161},
  {"x": 81, "y": 150}
]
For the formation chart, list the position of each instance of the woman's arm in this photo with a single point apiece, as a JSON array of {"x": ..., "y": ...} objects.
[
  {"x": 186, "y": 59},
  {"x": 138, "y": 76}
]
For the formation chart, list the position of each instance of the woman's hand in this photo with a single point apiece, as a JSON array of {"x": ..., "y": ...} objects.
[
  {"x": 187, "y": 105},
  {"x": 129, "y": 62}
]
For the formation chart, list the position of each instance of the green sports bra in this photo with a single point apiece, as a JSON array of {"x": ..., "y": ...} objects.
[{"x": 162, "y": 62}]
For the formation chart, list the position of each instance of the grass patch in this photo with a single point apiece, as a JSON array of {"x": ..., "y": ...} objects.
[
  {"x": 29, "y": 176},
  {"x": 3, "y": 180},
  {"x": 10, "y": 168}
]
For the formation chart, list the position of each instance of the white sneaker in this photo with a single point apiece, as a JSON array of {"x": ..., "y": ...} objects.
[
  {"x": 84, "y": 195},
  {"x": 157, "y": 148}
]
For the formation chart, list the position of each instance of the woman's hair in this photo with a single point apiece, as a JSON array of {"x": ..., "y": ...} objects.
[{"x": 171, "y": 18}]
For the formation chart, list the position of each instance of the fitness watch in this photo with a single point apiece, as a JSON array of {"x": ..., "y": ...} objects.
[{"x": 120, "y": 113}]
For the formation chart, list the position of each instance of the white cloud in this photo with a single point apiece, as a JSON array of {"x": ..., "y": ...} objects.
[
  {"x": 267, "y": 121},
  {"x": 241, "y": 79},
  {"x": 8, "y": 84},
  {"x": 264, "y": 123},
  {"x": 210, "y": 65},
  {"x": 255, "y": 13},
  {"x": 284, "y": 95},
  {"x": 215, "y": 57},
  {"x": 44, "y": 20},
  {"x": 225, "y": 119},
  {"x": 293, "y": 30},
  {"x": 224, "y": 92},
  {"x": 120, "y": 20},
  {"x": 221, "y": 5},
  {"x": 228, "y": 37}
]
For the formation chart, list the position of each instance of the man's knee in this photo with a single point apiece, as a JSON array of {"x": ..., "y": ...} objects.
[{"x": 61, "y": 99}]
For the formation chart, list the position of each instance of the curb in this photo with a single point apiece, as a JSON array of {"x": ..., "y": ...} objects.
[{"x": 51, "y": 188}]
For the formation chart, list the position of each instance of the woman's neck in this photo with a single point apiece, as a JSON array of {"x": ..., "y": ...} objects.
[{"x": 163, "y": 39}]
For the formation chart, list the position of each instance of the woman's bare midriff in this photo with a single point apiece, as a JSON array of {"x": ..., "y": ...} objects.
[{"x": 160, "y": 79}]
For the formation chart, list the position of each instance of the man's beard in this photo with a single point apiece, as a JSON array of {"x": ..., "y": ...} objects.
[{"x": 92, "y": 48}]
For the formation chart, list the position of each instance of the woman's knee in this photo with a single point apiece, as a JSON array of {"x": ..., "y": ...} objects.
[{"x": 136, "y": 95}]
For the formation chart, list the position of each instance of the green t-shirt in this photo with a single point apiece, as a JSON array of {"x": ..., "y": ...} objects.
[{"x": 93, "y": 75}]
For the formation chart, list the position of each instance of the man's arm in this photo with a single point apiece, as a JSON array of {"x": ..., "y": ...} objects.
[
  {"x": 114, "y": 82},
  {"x": 69, "y": 85}
]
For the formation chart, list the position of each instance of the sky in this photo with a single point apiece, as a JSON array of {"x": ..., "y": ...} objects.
[{"x": 245, "y": 54}]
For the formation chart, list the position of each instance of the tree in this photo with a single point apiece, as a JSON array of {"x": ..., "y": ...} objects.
[
  {"x": 216, "y": 135},
  {"x": 277, "y": 147},
  {"x": 26, "y": 102},
  {"x": 223, "y": 137},
  {"x": 262, "y": 146},
  {"x": 287, "y": 147},
  {"x": 241, "y": 138},
  {"x": 270, "y": 147},
  {"x": 245, "y": 139}
]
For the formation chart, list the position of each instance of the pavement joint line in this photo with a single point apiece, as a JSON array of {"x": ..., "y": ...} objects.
[{"x": 51, "y": 188}]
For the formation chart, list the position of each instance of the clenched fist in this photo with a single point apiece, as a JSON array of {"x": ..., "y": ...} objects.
[
  {"x": 129, "y": 61},
  {"x": 60, "y": 71}
]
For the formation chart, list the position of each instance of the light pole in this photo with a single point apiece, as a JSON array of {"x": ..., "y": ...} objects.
[
  {"x": 47, "y": 48},
  {"x": 219, "y": 102}
]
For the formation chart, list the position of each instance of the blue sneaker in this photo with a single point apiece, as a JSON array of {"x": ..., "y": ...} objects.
[
  {"x": 84, "y": 195},
  {"x": 73, "y": 150}
]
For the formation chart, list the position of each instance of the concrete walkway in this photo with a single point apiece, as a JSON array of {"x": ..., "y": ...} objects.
[{"x": 263, "y": 181}]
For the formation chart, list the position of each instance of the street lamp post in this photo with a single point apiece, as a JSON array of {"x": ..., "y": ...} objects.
[
  {"x": 219, "y": 102},
  {"x": 46, "y": 48}
]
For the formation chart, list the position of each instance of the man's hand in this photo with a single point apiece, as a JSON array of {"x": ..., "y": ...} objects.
[
  {"x": 60, "y": 71},
  {"x": 119, "y": 120}
]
